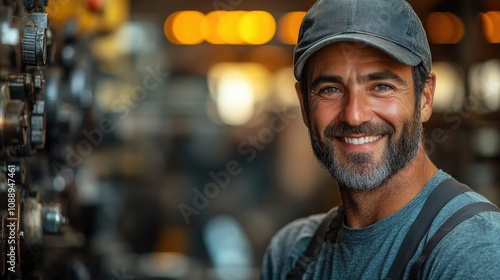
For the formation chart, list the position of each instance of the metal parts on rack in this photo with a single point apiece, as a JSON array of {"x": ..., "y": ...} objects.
[
  {"x": 46, "y": 101},
  {"x": 25, "y": 50}
]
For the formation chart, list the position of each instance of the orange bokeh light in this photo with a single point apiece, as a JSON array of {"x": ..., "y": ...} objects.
[
  {"x": 444, "y": 28},
  {"x": 491, "y": 26},
  {"x": 289, "y": 25},
  {"x": 184, "y": 27},
  {"x": 220, "y": 27}
]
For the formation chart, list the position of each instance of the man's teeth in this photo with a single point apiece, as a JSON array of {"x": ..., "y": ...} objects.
[{"x": 361, "y": 140}]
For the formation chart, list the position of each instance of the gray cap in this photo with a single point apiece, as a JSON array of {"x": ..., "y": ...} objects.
[{"x": 388, "y": 25}]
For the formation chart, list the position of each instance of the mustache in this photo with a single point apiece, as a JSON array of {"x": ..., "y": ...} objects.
[{"x": 333, "y": 131}]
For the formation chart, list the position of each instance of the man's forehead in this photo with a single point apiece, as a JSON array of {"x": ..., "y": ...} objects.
[
  {"x": 342, "y": 55},
  {"x": 351, "y": 52}
]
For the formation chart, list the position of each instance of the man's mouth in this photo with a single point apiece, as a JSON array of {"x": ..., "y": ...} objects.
[{"x": 361, "y": 140}]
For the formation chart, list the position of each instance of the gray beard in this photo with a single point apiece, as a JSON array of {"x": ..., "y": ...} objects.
[{"x": 361, "y": 172}]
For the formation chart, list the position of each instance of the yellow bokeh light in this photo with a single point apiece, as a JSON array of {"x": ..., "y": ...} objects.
[
  {"x": 257, "y": 27},
  {"x": 112, "y": 15},
  {"x": 209, "y": 27},
  {"x": 185, "y": 27},
  {"x": 289, "y": 24},
  {"x": 227, "y": 27},
  {"x": 60, "y": 13},
  {"x": 444, "y": 28},
  {"x": 491, "y": 26},
  {"x": 221, "y": 27}
]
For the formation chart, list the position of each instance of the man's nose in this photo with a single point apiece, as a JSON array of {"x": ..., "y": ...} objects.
[{"x": 356, "y": 109}]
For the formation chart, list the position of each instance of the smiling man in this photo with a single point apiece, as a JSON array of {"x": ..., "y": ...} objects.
[{"x": 365, "y": 87}]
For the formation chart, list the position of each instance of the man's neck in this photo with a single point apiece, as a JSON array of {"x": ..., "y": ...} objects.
[{"x": 364, "y": 208}]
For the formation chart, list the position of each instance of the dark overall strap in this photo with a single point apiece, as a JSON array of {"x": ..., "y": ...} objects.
[
  {"x": 330, "y": 225},
  {"x": 461, "y": 215},
  {"x": 439, "y": 197}
]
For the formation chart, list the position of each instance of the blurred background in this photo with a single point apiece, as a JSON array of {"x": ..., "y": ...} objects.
[{"x": 175, "y": 145}]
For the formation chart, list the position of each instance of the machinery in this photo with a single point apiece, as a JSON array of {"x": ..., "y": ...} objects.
[
  {"x": 42, "y": 99},
  {"x": 25, "y": 48}
]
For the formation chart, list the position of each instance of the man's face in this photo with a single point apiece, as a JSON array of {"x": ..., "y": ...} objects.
[{"x": 363, "y": 121}]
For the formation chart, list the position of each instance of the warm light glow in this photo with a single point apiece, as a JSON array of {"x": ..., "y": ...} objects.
[
  {"x": 209, "y": 27},
  {"x": 220, "y": 27},
  {"x": 257, "y": 27},
  {"x": 112, "y": 15},
  {"x": 185, "y": 27},
  {"x": 167, "y": 28},
  {"x": 227, "y": 27},
  {"x": 289, "y": 24},
  {"x": 284, "y": 86},
  {"x": 491, "y": 26},
  {"x": 235, "y": 101},
  {"x": 444, "y": 28},
  {"x": 236, "y": 88},
  {"x": 485, "y": 84},
  {"x": 450, "y": 91}
]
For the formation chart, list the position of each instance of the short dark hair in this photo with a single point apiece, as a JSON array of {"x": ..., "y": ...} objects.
[{"x": 420, "y": 76}]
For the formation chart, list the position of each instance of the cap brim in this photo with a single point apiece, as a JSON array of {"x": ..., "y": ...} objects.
[{"x": 393, "y": 50}]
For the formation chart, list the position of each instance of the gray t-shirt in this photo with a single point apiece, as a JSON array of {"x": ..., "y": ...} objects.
[{"x": 470, "y": 251}]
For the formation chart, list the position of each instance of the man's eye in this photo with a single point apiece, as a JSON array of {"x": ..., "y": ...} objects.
[
  {"x": 383, "y": 87},
  {"x": 329, "y": 90}
]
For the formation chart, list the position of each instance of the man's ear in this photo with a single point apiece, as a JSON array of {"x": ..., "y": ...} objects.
[
  {"x": 427, "y": 98},
  {"x": 298, "y": 90}
]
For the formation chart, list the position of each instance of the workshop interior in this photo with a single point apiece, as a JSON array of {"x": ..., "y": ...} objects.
[{"x": 154, "y": 139}]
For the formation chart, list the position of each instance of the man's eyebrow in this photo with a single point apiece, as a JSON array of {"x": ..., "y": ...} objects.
[
  {"x": 382, "y": 75},
  {"x": 326, "y": 79}
]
